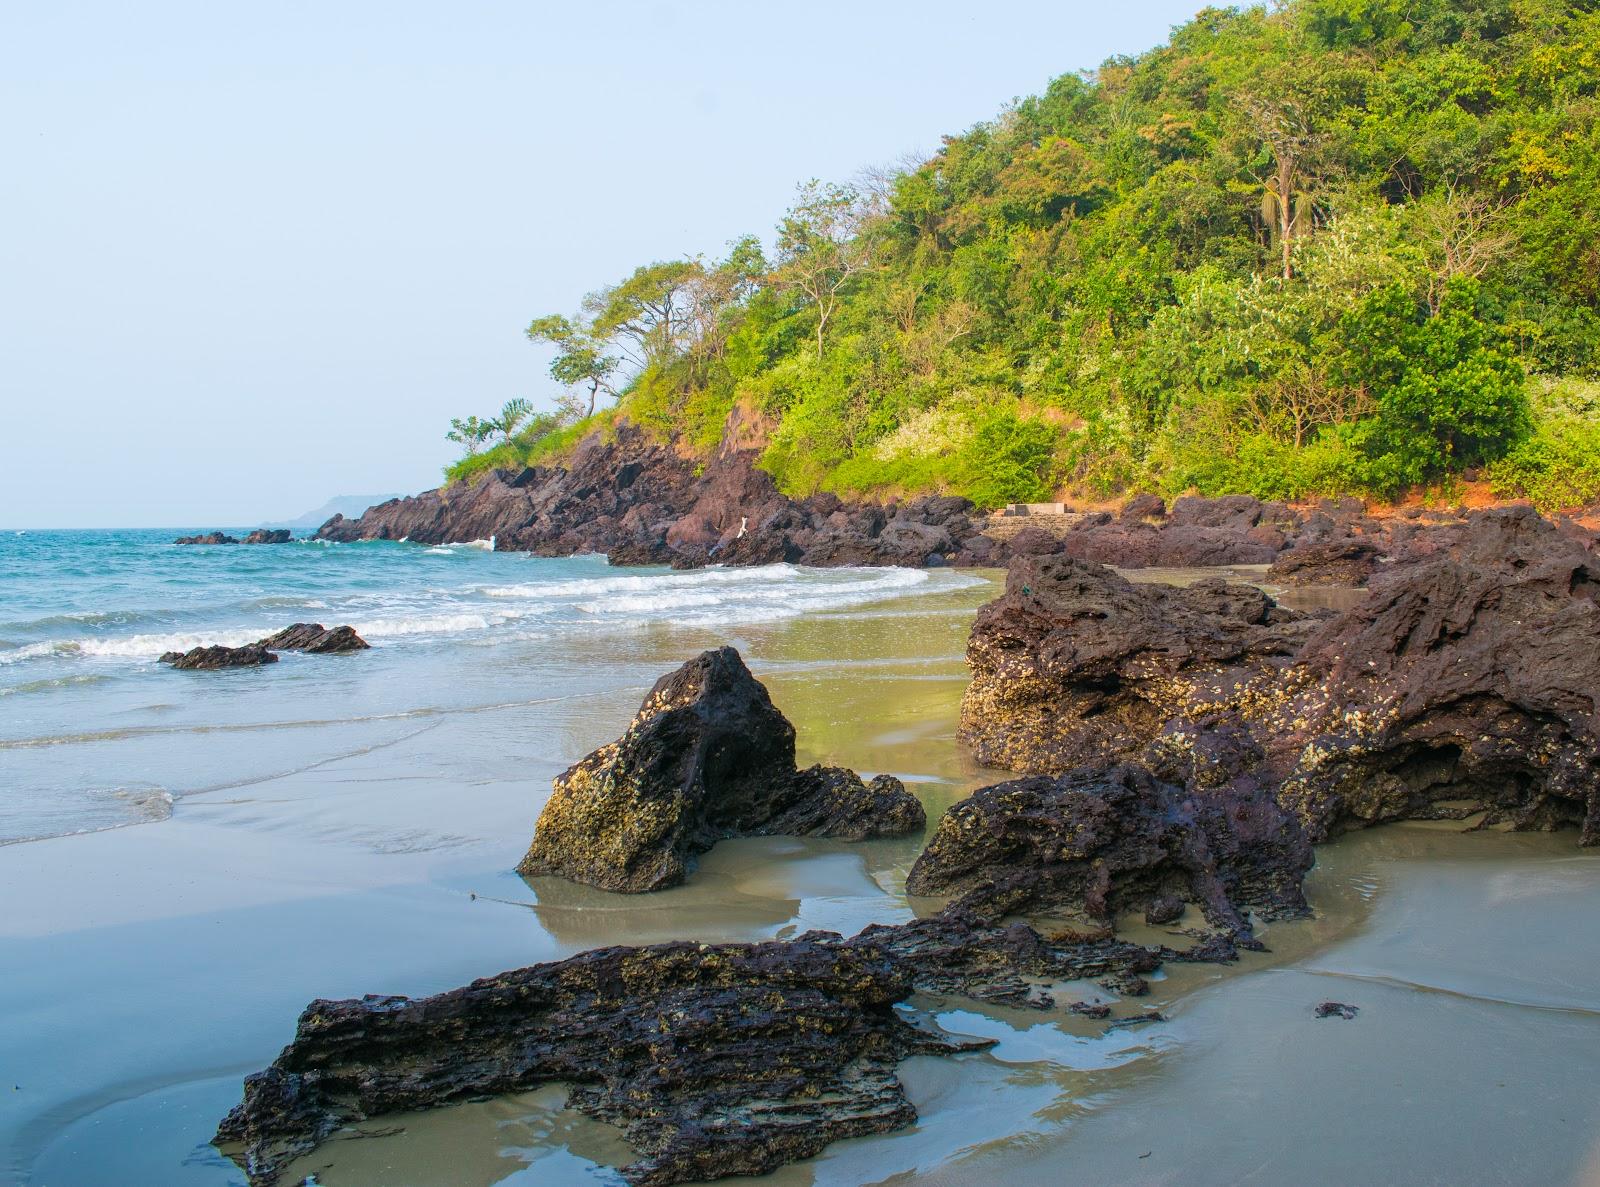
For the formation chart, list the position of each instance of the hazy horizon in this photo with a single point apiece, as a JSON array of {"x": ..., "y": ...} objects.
[{"x": 259, "y": 261}]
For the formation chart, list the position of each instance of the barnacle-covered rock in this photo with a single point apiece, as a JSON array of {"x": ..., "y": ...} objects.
[{"x": 1105, "y": 841}]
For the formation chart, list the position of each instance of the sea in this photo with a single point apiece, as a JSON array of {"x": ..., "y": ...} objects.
[{"x": 96, "y": 734}]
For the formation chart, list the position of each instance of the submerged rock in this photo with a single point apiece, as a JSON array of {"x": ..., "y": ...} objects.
[
  {"x": 1105, "y": 841},
  {"x": 714, "y": 1059},
  {"x": 315, "y": 639},
  {"x": 207, "y": 538},
  {"x": 707, "y": 757},
  {"x": 200, "y": 659}
]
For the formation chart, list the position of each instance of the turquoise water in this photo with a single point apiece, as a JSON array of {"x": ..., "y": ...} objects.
[{"x": 94, "y": 733}]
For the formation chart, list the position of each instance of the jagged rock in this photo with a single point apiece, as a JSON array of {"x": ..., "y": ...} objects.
[
  {"x": 1347, "y": 561},
  {"x": 707, "y": 757},
  {"x": 715, "y": 1059},
  {"x": 269, "y": 536},
  {"x": 208, "y": 538},
  {"x": 1107, "y": 841},
  {"x": 315, "y": 639},
  {"x": 1464, "y": 683},
  {"x": 200, "y": 659},
  {"x": 1075, "y": 665}
]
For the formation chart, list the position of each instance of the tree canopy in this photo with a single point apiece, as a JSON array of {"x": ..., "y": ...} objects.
[{"x": 1336, "y": 245}]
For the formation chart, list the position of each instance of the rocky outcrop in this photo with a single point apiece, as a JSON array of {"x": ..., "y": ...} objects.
[
  {"x": 714, "y": 1059},
  {"x": 707, "y": 757},
  {"x": 1466, "y": 684},
  {"x": 1105, "y": 841},
  {"x": 207, "y": 538},
  {"x": 1075, "y": 665},
  {"x": 1463, "y": 686},
  {"x": 315, "y": 639},
  {"x": 269, "y": 536},
  {"x": 310, "y": 637},
  {"x": 206, "y": 659}
]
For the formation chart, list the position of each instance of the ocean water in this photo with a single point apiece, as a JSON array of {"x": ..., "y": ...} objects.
[{"x": 95, "y": 734}]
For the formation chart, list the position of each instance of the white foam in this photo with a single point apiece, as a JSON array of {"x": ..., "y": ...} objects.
[{"x": 446, "y": 551}]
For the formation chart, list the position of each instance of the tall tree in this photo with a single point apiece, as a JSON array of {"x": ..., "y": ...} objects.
[
  {"x": 581, "y": 359},
  {"x": 823, "y": 243}
]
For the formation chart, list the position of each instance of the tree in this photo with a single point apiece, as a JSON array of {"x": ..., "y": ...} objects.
[
  {"x": 1446, "y": 394},
  {"x": 1283, "y": 123},
  {"x": 822, "y": 244},
  {"x": 470, "y": 433},
  {"x": 1464, "y": 233},
  {"x": 512, "y": 416},
  {"x": 581, "y": 359},
  {"x": 643, "y": 314}
]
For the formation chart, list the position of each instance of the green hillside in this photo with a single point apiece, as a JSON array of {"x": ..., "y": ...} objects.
[{"x": 1338, "y": 246}]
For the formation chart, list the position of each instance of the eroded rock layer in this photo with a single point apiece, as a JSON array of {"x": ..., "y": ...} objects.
[
  {"x": 1106, "y": 841},
  {"x": 1463, "y": 686},
  {"x": 714, "y": 1059}
]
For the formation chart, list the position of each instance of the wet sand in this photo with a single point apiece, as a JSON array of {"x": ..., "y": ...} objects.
[{"x": 147, "y": 969}]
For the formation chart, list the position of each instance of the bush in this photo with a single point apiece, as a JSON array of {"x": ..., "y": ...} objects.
[
  {"x": 1558, "y": 467},
  {"x": 1448, "y": 394}
]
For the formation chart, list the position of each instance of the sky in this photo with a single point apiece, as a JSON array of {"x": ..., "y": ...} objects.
[{"x": 255, "y": 256}]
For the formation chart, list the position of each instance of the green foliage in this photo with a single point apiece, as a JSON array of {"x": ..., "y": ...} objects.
[
  {"x": 1558, "y": 466},
  {"x": 1448, "y": 396},
  {"x": 1304, "y": 249}
]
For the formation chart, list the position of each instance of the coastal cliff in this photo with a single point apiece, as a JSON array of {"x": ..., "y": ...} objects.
[{"x": 640, "y": 501}]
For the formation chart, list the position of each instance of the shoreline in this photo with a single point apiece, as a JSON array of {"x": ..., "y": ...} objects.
[{"x": 253, "y": 904}]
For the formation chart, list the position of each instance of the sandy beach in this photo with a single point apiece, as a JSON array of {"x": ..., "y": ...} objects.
[{"x": 149, "y": 968}]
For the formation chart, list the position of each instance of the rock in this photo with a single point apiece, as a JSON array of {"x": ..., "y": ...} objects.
[
  {"x": 1077, "y": 666},
  {"x": 1464, "y": 684},
  {"x": 715, "y": 1059},
  {"x": 1144, "y": 507},
  {"x": 1348, "y": 561},
  {"x": 1108, "y": 841},
  {"x": 1163, "y": 909},
  {"x": 201, "y": 659},
  {"x": 1337, "y": 1010},
  {"x": 315, "y": 639},
  {"x": 707, "y": 757},
  {"x": 208, "y": 538},
  {"x": 269, "y": 536}
]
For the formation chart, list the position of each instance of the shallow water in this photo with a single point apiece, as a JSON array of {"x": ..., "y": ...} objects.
[{"x": 147, "y": 969}]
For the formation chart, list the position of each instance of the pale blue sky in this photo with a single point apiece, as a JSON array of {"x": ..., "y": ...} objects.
[{"x": 255, "y": 256}]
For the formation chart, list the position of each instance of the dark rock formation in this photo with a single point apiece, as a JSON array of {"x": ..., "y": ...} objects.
[
  {"x": 1336, "y": 1010},
  {"x": 201, "y": 659},
  {"x": 208, "y": 538},
  {"x": 315, "y": 639},
  {"x": 715, "y": 1059},
  {"x": 643, "y": 501},
  {"x": 1078, "y": 666},
  {"x": 1347, "y": 561},
  {"x": 707, "y": 757},
  {"x": 1463, "y": 685},
  {"x": 269, "y": 536},
  {"x": 1105, "y": 841}
]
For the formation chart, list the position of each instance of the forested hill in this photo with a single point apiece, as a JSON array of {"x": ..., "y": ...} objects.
[{"x": 1339, "y": 246}]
